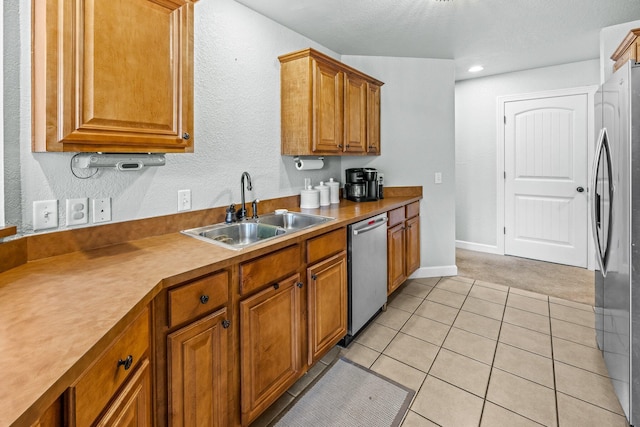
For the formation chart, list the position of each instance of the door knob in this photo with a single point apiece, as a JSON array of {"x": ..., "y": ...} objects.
[{"x": 580, "y": 189}]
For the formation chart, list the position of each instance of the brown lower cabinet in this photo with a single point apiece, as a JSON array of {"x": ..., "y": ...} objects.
[
  {"x": 270, "y": 344},
  {"x": 403, "y": 244},
  {"x": 132, "y": 407},
  {"x": 197, "y": 382},
  {"x": 116, "y": 389},
  {"x": 327, "y": 305},
  {"x": 192, "y": 330}
]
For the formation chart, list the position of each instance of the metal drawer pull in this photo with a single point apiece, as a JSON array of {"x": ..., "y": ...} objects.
[
  {"x": 204, "y": 299},
  {"x": 126, "y": 362},
  {"x": 226, "y": 323}
]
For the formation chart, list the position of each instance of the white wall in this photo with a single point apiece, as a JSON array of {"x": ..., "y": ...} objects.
[
  {"x": 476, "y": 138},
  {"x": 417, "y": 132},
  {"x": 237, "y": 126}
]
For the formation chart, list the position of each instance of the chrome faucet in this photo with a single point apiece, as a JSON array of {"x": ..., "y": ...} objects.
[{"x": 242, "y": 212}]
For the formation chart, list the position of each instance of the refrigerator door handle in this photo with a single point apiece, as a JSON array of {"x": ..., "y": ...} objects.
[
  {"x": 606, "y": 148},
  {"x": 596, "y": 200}
]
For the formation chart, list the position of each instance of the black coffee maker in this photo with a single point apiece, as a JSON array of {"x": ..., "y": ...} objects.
[{"x": 361, "y": 184}]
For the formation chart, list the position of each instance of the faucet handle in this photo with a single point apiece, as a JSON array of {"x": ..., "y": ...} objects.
[{"x": 254, "y": 208}]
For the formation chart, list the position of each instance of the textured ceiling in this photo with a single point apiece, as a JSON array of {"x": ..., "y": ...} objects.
[{"x": 502, "y": 35}]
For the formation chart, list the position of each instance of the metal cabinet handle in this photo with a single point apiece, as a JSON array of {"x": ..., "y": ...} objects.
[
  {"x": 226, "y": 323},
  {"x": 276, "y": 286},
  {"x": 186, "y": 136},
  {"x": 299, "y": 284},
  {"x": 314, "y": 277},
  {"x": 204, "y": 299},
  {"x": 126, "y": 362}
]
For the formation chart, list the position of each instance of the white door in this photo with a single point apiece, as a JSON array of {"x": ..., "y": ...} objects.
[{"x": 545, "y": 151}]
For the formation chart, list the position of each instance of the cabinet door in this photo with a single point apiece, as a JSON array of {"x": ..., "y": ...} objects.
[
  {"x": 113, "y": 76},
  {"x": 412, "y": 232},
  {"x": 132, "y": 407},
  {"x": 395, "y": 257},
  {"x": 355, "y": 114},
  {"x": 373, "y": 119},
  {"x": 328, "y": 108},
  {"x": 197, "y": 363},
  {"x": 270, "y": 345},
  {"x": 327, "y": 305}
]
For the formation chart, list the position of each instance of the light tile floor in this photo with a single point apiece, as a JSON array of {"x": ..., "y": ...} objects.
[{"x": 481, "y": 354}]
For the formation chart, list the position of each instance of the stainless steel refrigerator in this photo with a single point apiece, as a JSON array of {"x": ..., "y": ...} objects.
[{"x": 615, "y": 216}]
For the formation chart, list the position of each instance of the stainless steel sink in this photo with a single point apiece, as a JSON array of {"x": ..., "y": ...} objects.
[
  {"x": 239, "y": 235},
  {"x": 293, "y": 220}
]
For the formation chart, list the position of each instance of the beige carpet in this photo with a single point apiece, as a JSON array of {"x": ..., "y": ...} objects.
[{"x": 571, "y": 283}]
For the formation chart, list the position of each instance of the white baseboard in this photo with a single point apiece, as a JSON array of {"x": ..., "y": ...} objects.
[
  {"x": 444, "y": 270},
  {"x": 478, "y": 247}
]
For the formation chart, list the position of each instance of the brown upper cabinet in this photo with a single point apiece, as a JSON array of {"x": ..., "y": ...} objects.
[
  {"x": 112, "y": 75},
  {"x": 328, "y": 108}
]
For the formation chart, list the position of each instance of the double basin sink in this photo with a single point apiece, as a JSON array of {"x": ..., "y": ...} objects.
[{"x": 239, "y": 235}]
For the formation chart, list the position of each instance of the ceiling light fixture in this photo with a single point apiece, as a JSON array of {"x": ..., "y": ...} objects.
[{"x": 476, "y": 68}]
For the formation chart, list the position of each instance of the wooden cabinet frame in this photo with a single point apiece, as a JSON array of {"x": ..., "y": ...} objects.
[
  {"x": 109, "y": 81},
  {"x": 327, "y": 107}
]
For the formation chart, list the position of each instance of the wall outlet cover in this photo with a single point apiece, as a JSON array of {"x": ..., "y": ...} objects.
[
  {"x": 102, "y": 210},
  {"x": 45, "y": 214},
  {"x": 77, "y": 211}
]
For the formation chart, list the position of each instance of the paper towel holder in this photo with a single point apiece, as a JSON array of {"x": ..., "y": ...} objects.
[{"x": 298, "y": 161}]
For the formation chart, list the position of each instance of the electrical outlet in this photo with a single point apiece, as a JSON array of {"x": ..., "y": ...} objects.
[
  {"x": 45, "y": 214},
  {"x": 438, "y": 178},
  {"x": 102, "y": 210},
  {"x": 77, "y": 211},
  {"x": 184, "y": 200}
]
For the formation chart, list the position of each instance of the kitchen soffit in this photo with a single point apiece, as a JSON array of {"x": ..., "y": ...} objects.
[{"x": 503, "y": 35}]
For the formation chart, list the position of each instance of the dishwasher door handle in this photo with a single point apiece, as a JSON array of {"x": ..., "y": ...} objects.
[{"x": 375, "y": 224}]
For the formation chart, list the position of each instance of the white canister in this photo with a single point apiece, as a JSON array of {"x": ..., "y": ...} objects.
[
  {"x": 324, "y": 194},
  {"x": 334, "y": 191},
  {"x": 309, "y": 198}
]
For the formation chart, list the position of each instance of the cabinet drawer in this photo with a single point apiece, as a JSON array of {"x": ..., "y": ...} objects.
[
  {"x": 325, "y": 245},
  {"x": 269, "y": 268},
  {"x": 413, "y": 209},
  {"x": 396, "y": 216},
  {"x": 197, "y": 298},
  {"x": 99, "y": 383}
]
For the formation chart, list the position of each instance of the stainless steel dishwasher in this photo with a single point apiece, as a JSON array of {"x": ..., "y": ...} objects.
[{"x": 367, "y": 271}]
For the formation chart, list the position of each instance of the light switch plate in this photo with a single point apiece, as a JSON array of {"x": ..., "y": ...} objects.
[
  {"x": 77, "y": 211},
  {"x": 102, "y": 210},
  {"x": 45, "y": 214},
  {"x": 184, "y": 200}
]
